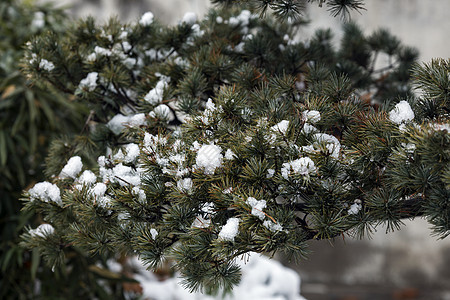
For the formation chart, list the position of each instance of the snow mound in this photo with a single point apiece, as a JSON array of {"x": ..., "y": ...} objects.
[{"x": 262, "y": 279}]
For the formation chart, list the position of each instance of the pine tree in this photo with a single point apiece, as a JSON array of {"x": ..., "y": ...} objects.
[{"x": 225, "y": 136}]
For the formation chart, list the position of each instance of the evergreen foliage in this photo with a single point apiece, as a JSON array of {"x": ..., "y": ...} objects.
[
  {"x": 224, "y": 136},
  {"x": 31, "y": 116},
  {"x": 294, "y": 9}
]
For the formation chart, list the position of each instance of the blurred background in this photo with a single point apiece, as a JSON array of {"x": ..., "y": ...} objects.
[{"x": 408, "y": 264}]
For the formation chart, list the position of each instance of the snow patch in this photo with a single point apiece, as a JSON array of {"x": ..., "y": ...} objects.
[
  {"x": 46, "y": 192},
  {"x": 401, "y": 113},
  {"x": 209, "y": 158},
  {"x": 89, "y": 83},
  {"x": 72, "y": 168},
  {"x": 42, "y": 230},
  {"x": 189, "y": 18},
  {"x": 257, "y": 207},
  {"x": 229, "y": 230},
  {"x": 303, "y": 166},
  {"x": 281, "y": 127},
  {"x": 146, "y": 19}
]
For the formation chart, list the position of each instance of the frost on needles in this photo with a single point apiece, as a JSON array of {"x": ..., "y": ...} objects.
[{"x": 218, "y": 137}]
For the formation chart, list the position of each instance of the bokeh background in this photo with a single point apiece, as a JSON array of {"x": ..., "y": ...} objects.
[{"x": 408, "y": 264}]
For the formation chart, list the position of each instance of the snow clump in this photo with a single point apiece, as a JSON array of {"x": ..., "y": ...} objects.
[
  {"x": 401, "y": 113},
  {"x": 155, "y": 95},
  {"x": 229, "y": 154},
  {"x": 189, "y": 18},
  {"x": 257, "y": 207},
  {"x": 38, "y": 21},
  {"x": 42, "y": 230},
  {"x": 87, "y": 177},
  {"x": 303, "y": 166},
  {"x": 185, "y": 185},
  {"x": 43, "y": 64},
  {"x": 274, "y": 227},
  {"x": 332, "y": 143},
  {"x": 89, "y": 83},
  {"x": 146, "y": 19},
  {"x": 262, "y": 278},
  {"x": 355, "y": 207},
  {"x": 164, "y": 112},
  {"x": 132, "y": 152},
  {"x": 311, "y": 116},
  {"x": 46, "y": 65},
  {"x": 46, "y": 192},
  {"x": 72, "y": 168},
  {"x": 229, "y": 230},
  {"x": 281, "y": 127},
  {"x": 154, "y": 233},
  {"x": 209, "y": 158},
  {"x": 118, "y": 122},
  {"x": 99, "y": 189}
]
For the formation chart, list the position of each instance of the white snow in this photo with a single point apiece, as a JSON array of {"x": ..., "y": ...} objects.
[
  {"x": 140, "y": 193},
  {"x": 72, "y": 168},
  {"x": 38, "y": 20},
  {"x": 332, "y": 143},
  {"x": 46, "y": 192},
  {"x": 270, "y": 173},
  {"x": 307, "y": 129},
  {"x": 303, "y": 166},
  {"x": 89, "y": 83},
  {"x": 137, "y": 120},
  {"x": 87, "y": 177},
  {"x": 311, "y": 116},
  {"x": 42, "y": 230},
  {"x": 257, "y": 207},
  {"x": 102, "y": 51},
  {"x": 441, "y": 127},
  {"x": 152, "y": 141},
  {"x": 46, "y": 65},
  {"x": 132, "y": 152},
  {"x": 195, "y": 146},
  {"x": 208, "y": 208},
  {"x": 229, "y": 230},
  {"x": 209, "y": 157},
  {"x": 281, "y": 127},
  {"x": 272, "y": 226},
  {"x": 155, "y": 95},
  {"x": 228, "y": 190},
  {"x": 117, "y": 123},
  {"x": 125, "y": 175},
  {"x": 189, "y": 18},
  {"x": 242, "y": 19},
  {"x": 355, "y": 207},
  {"x": 200, "y": 222},
  {"x": 99, "y": 189},
  {"x": 185, "y": 185},
  {"x": 262, "y": 279},
  {"x": 164, "y": 112},
  {"x": 229, "y": 154},
  {"x": 146, "y": 19},
  {"x": 154, "y": 233},
  {"x": 105, "y": 202},
  {"x": 401, "y": 113}
]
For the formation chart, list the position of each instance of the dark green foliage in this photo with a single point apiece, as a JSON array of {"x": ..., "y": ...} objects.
[
  {"x": 293, "y": 9},
  {"x": 32, "y": 114}
]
